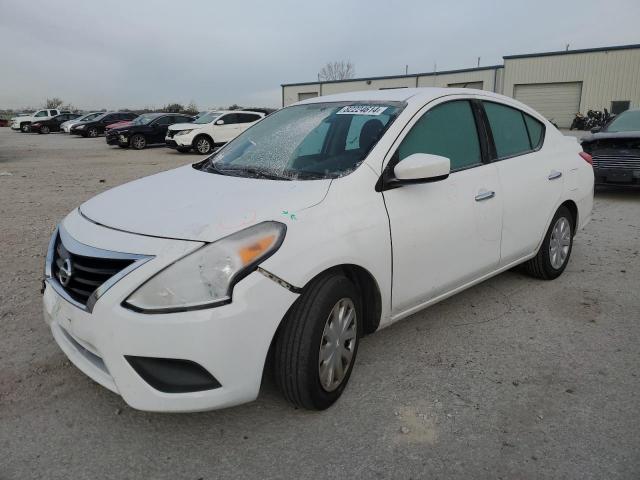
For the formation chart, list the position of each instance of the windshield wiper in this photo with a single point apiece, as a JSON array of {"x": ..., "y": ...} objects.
[{"x": 252, "y": 172}]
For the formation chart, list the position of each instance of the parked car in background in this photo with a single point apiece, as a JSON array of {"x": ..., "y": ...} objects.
[
  {"x": 53, "y": 124},
  {"x": 66, "y": 126},
  {"x": 95, "y": 127},
  {"x": 172, "y": 290},
  {"x": 217, "y": 127},
  {"x": 23, "y": 123},
  {"x": 147, "y": 129},
  {"x": 615, "y": 149}
]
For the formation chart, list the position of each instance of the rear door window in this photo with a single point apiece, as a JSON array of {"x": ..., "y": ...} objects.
[
  {"x": 508, "y": 128},
  {"x": 449, "y": 130},
  {"x": 230, "y": 118},
  {"x": 247, "y": 117}
]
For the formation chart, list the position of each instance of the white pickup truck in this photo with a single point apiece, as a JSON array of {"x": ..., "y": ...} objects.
[{"x": 23, "y": 122}]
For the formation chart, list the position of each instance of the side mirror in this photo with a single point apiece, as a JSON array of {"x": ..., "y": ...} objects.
[
  {"x": 596, "y": 129},
  {"x": 422, "y": 167},
  {"x": 219, "y": 122}
]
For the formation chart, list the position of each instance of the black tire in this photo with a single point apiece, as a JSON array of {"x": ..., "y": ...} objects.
[
  {"x": 25, "y": 127},
  {"x": 44, "y": 129},
  {"x": 183, "y": 150},
  {"x": 138, "y": 142},
  {"x": 297, "y": 348},
  {"x": 92, "y": 132},
  {"x": 203, "y": 144},
  {"x": 541, "y": 266}
]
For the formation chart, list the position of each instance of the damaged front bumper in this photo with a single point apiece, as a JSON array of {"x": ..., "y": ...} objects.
[{"x": 154, "y": 360}]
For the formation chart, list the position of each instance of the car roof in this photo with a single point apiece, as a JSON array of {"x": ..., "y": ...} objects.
[
  {"x": 236, "y": 111},
  {"x": 408, "y": 95}
]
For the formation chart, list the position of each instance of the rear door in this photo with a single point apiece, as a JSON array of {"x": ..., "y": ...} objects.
[
  {"x": 445, "y": 233},
  {"x": 245, "y": 120},
  {"x": 531, "y": 178}
]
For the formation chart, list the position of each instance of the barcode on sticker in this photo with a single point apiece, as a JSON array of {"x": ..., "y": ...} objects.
[{"x": 361, "y": 110}]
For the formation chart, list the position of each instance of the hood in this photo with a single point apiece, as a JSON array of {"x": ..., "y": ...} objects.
[
  {"x": 189, "y": 204},
  {"x": 185, "y": 126},
  {"x": 114, "y": 126},
  {"x": 610, "y": 136}
]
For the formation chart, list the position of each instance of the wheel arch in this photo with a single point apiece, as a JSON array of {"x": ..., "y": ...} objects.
[
  {"x": 573, "y": 208},
  {"x": 203, "y": 134}
]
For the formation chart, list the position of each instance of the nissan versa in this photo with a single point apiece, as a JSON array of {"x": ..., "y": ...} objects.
[{"x": 323, "y": 222}]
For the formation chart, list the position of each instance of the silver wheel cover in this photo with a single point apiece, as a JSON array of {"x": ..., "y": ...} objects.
[
  {"x": 338, "y": 344},
  {"x": 559, "y": 243}
]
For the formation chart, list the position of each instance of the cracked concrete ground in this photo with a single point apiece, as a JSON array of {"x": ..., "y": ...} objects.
[{"x": 514, "y": 378}]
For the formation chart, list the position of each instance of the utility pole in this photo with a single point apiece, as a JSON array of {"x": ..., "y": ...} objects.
[
  {"x": 406, "y": 69},
  {"x": 478, "y": 61},
  {"x": 567, "y": 48}
]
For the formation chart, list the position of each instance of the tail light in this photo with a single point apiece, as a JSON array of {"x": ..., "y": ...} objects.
[{"x": 586, "y": 157}]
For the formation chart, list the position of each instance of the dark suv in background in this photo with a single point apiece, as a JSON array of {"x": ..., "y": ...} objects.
[{"x": 96, "y": 126}]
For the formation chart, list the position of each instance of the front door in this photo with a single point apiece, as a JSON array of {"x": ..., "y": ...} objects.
[
  {"x": 228, "y": 130},
  {"x": 445, "y": 233}
]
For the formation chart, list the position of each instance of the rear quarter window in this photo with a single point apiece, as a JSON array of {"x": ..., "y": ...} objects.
[{"x": 535, "y": 129}]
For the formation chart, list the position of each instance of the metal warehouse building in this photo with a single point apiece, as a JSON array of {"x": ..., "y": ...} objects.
[{"x": 557, "y": 84}]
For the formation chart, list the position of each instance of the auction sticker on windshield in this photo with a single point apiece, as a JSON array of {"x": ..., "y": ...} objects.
[{"x": 361, "y": 110}]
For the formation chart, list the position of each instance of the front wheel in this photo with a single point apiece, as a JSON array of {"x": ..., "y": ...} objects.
[
  {"x": 25, "y": 127},
  {"x": 138, "y": 141},
  {"x": 44, "y": 129},
  {"x": 204, "y": 145},
  {"x": 554, "y": 253},
  {"x": 92, "y": 132},
  {"x": 316, "y": 348}
]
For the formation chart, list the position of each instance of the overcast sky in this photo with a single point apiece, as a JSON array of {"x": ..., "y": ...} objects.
[{"x": 117, "y": 54}]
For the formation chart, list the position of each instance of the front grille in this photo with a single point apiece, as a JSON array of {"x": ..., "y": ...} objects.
[
  {"x": 80, "y": 275},
  {"x": 619, "y": 161}
]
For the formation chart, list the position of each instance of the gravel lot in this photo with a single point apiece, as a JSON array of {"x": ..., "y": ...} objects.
[{"x": 514, "y": 378}]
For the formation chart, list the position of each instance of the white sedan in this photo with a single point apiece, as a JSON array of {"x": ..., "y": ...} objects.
[{"x": 324, "y": 222}]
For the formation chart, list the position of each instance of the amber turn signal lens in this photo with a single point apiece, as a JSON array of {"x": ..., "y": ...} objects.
[{"x": 249, "y": 253}]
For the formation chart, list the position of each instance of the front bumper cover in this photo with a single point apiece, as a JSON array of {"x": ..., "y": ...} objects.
[{"x": 230, "y": 342}]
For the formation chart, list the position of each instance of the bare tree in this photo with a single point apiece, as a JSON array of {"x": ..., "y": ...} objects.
[
  {"x": 54, "y": 102},
  {"x": 338, "y": 70},
  {"x": 192, "y": 107}
]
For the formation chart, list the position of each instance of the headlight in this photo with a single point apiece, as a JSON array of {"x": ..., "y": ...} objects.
[
  {"x": 80, "y": 127},
  {"x": 184, "y": 132},
  {"x": 205, "y": 278}
]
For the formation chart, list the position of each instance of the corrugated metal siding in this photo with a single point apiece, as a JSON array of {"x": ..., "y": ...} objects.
[
  {"x": 605, "y": 76},
  {"x": 484, "y": 76}
]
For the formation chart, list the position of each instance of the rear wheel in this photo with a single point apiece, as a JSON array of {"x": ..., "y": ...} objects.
[
  {"x": 138, "y": 141},
  {"x": 554, "y": 253},
  {"x": 92, "y": 132},
  {"x": 316, "y": 348},
  {"x": 203, "y": 144}
]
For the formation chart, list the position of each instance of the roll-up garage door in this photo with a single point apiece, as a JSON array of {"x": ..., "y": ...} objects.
[
  {"x": 477, "y": 85},
  {"x": 556, "y": 101}
]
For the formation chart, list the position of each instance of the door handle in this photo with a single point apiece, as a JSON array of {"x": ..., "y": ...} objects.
[
  {"x": 554, "y": 174},
  {"x": 486, "y": 195}
]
